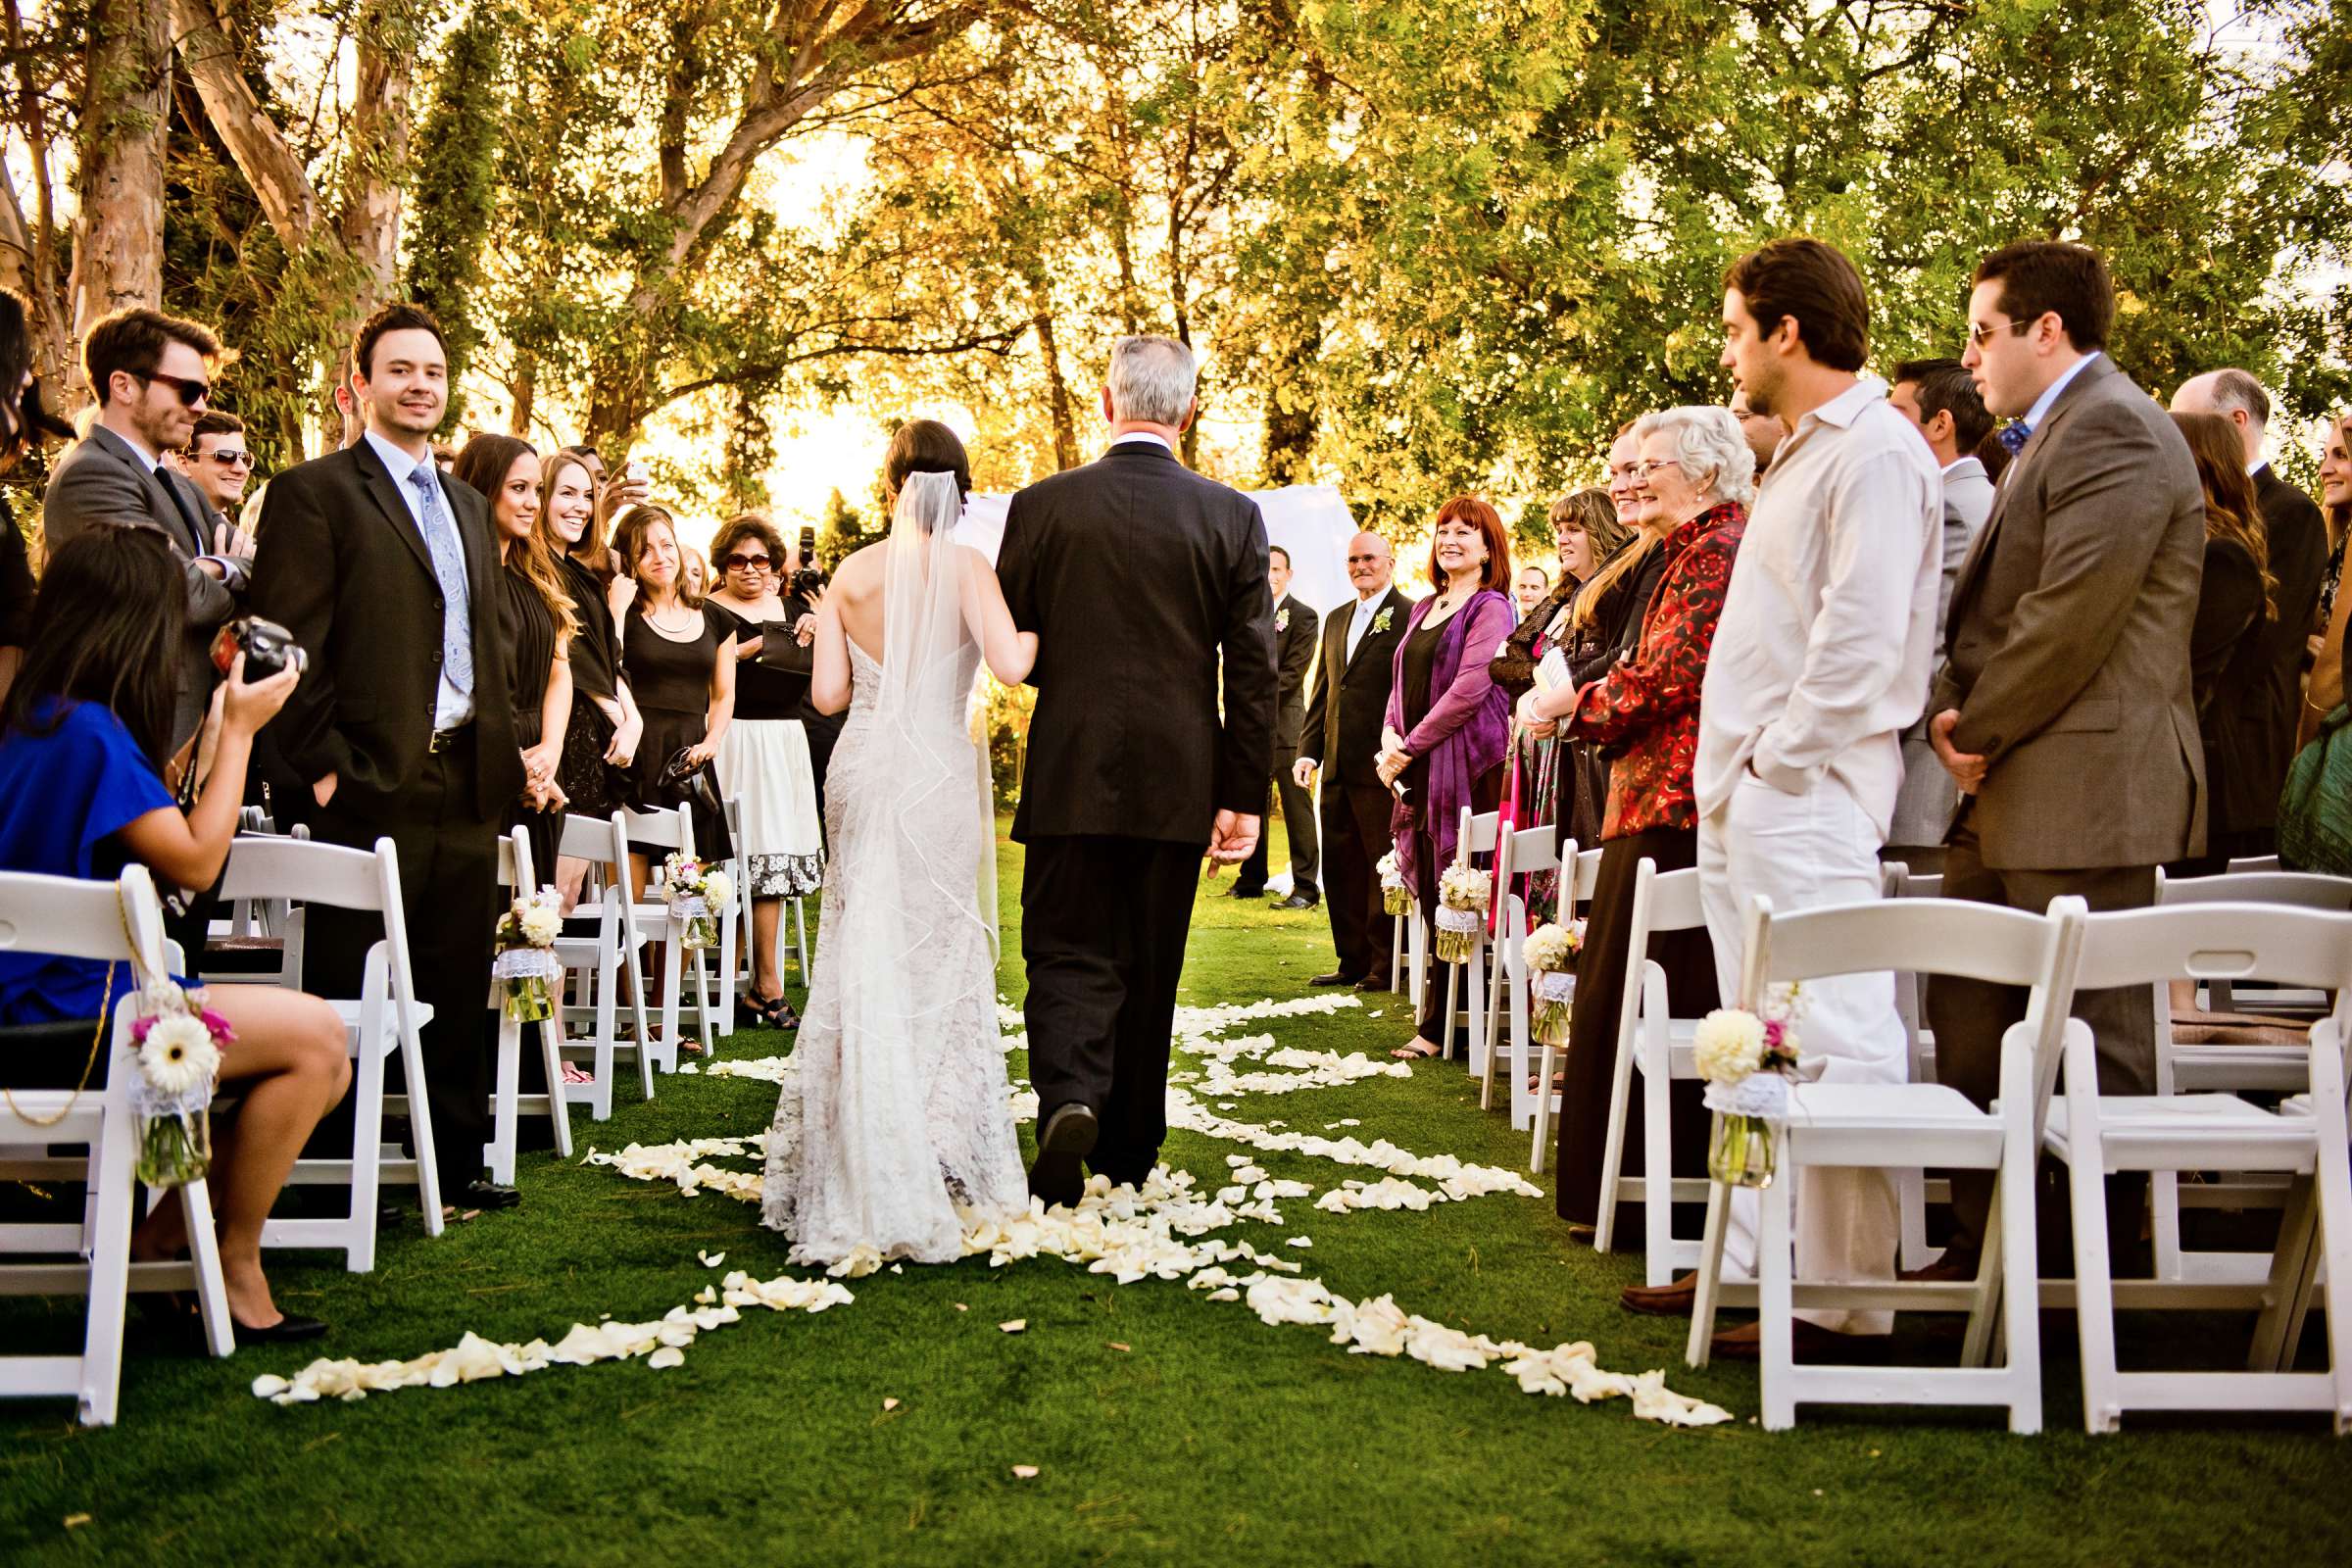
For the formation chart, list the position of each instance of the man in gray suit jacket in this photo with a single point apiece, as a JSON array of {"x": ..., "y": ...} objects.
[
  {"x": 2064, "y": 709},
  {"x": 1941, "y": 398},
  {"x": 151, "y": 375}
]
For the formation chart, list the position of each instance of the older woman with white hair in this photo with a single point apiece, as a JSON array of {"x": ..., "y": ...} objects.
[{"x": 1691, "y": 487}]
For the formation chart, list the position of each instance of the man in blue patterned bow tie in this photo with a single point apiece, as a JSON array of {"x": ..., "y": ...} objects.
[{"x": 2067, "y": 663}]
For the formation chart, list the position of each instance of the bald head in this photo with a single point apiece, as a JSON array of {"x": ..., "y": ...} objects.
[
  {"x": 1369, "y": 564},
  {"x": 2237, "y": 396}
]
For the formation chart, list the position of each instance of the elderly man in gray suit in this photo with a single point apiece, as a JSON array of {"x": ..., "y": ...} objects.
[
  {"x": 2063, "y": 710},
  {"x": 1940, "y": 400},
  {"x": 151, "y": 373}
]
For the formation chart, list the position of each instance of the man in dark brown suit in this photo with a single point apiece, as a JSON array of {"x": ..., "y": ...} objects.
[{"x": 2063, "y": 709}]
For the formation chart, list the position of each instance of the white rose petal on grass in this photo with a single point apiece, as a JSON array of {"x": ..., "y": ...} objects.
[
  {"x": 710, "y": 1260},
  {"x": 1301, "y": 1240},
  {"x": 889, "y": 1405},
  {"x": 1024, "y": 1472},
  {"x": 667, "y": 1356},
  {"x": 1013, "y": 1325}
]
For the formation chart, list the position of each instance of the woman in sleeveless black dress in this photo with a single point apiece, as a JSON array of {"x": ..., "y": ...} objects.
[{"x": 680, "y": 662}]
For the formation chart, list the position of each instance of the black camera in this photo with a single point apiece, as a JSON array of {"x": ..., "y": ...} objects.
[
  {"x": 267, "y": 646},
  {"x": 808, "y": 582}
]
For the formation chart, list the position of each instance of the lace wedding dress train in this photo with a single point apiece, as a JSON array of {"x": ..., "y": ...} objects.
[{"x": 898, "y": 1112}]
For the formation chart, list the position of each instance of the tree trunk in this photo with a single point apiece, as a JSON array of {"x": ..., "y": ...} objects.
[
  {"x": 119, "y": 180},
  {"x": 1291, "y": 421},
  {"x": 526, "y": 392},
  {"x": 1057, "y": 393},
  {"x": 377, "y": 155}
]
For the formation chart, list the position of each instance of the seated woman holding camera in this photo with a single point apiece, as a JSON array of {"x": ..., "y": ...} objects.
[{"x": 82, "y": 734}]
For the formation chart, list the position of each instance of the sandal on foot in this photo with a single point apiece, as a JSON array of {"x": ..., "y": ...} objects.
[{"x": 1416, "y": 1051}]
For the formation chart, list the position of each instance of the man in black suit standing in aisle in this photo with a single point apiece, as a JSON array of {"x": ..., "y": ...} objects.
[
  {"x": 151, "y": 373},
  {"x": 1294, "y": 650},
  {"x": 384, "y": 569},
  {"x": 1139, "y": 578},
  {"x": 2295, "y": 538},
  {"x": 1342, "y": 740}
]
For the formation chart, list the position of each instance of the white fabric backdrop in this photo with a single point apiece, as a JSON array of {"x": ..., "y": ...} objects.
[{"x": 1310, "y": 520}]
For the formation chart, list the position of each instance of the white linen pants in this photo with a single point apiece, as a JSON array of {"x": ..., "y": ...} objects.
[{"x": 1806, "y": 851}]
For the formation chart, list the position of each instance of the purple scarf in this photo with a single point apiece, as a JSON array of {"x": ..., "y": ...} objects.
[{"x": 1464, "y": 735}]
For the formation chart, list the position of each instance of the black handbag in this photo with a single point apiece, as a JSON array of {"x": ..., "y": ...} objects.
[{"x": 688, "y": 783}]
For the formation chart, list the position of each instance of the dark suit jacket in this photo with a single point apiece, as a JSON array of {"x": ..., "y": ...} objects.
[
  {"x": 1341, "y": 736},
  {"x": 99, "y": 481},
  {"x": 2068, "y": 640},
  {"x": 1293, "y": 651},
  {"x": 343, "y": 566},
  {"x": 1136, "y": 574}
]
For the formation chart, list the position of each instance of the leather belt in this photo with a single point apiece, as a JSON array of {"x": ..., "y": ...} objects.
[{"x": 444, "y": 739}]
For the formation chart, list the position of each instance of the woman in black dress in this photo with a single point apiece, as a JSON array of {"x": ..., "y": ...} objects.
[
  {"x": 540, "y": 625},
  {"x": 602, "y": 737},
  {"x": 680, "y": 661},
  {"x": 2227, "y": 674}
]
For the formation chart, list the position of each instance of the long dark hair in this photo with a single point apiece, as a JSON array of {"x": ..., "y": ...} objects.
[
  {"x": 2230, "y": 510},
  {"x": 106, "y": 630},
  {"x": 21, "y": 419}
]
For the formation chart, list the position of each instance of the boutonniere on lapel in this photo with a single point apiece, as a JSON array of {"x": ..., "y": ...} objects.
[
  {"x": 1282, "y": 618},
  {"x": 1383, "y": 620}
]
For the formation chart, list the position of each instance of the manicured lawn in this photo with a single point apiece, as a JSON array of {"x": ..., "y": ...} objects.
[{"x": 1211, "y": 1439}]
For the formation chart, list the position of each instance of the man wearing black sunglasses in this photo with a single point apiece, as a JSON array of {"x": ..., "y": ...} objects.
[{"x": 151, "y": 373}]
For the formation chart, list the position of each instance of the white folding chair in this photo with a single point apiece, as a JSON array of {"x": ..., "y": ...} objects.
[
  {"x": 121, "y": 924},
  {"x": 665, "y": 831},
  {"x": 1657, "y": 1042},
  {"x": 1577, "y": 879},
  {"x": 2097, "y": 1134},
  {"x": 508, "y": 1102},
  {"x": 1530, "y": 851},
  {"x": 1894, "y": 1125},
  {"x": 734, "y": 946},
  {"x": 2231, "y": 1068},
  {"x": 385, "y": 1019},
  {"x": 260, "y": 926},
  {"x": 1914, "y": 1189},
  {"x": 601, "y": 954},
  {"x": 1466, "y": 983}
]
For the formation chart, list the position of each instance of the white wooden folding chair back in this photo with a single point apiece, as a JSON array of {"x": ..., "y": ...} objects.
[
  {"x": 2299, "y": 890},
  {"x": 1650, "y": 1039},
  {"x": 1466, "y": 981},
  {"x": 119, "y": 923},
  {"x": 665, "y": 831},
  {"x": 1895, "y": 1125},
  {"x": 2097, "y": 1134},
  {"x": 384, "y": 1020},
  {"x": 601, "y": 965},
  {"x": 508, "y": 1102}
]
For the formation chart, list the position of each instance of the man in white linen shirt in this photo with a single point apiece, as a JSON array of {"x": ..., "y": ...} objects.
[{"x": 1820, "y": 662}]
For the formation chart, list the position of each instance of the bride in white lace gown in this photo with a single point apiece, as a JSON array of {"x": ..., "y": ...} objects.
[{"x": 898, "y": 1114}]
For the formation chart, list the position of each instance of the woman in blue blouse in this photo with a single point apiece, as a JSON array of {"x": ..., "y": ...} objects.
[{"x": 82, "y": 733}]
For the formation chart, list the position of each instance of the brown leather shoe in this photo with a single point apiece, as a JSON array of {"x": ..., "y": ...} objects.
[
  {"x": 1952, "y": 1268},
  {"x": 1808, "y": 1342},
  {"x": 1662, "y": 1300}
]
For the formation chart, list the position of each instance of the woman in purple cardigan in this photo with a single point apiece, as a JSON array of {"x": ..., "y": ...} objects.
[{"x": 1449, "y": 723}]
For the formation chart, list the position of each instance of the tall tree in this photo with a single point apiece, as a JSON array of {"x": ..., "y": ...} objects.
[{"x": 119, "y": 159}]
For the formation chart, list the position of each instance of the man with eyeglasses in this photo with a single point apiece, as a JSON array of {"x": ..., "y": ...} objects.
[
  {"x": 2064, "y": 709},
  {"x": 219, "y": 463},
  {"x": 151, "y": 373}
]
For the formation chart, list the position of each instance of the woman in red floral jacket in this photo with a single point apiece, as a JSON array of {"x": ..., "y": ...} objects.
[{"x": 1695, "y": 480}]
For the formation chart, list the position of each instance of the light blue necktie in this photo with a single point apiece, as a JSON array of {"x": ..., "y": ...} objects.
[{"x": 448, "y": 564}]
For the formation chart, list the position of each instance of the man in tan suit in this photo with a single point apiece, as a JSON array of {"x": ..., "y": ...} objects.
[{"x": 2063, "y": 709}]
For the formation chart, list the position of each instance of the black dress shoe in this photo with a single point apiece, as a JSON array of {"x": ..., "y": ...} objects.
[
  {"x": 1240, "y": 892},
  {"x": 1064, "y": 1141},
  {"x": 287, "y": 1330},
  {"x": 488, "y": 1194},
  {"x": 1299, "y": 901},
  {"x": 1373, "y": 982},
  {"x": 1335, "y": 978}
]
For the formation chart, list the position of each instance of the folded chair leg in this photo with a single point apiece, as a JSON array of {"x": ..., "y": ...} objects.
[{"x": 1710, "y": 1275}]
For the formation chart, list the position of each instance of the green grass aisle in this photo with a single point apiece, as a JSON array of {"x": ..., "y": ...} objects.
[{"x": 1211, "y": 1437}]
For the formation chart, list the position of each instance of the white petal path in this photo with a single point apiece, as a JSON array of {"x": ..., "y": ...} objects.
[{"x": 1166, "y": 1231}]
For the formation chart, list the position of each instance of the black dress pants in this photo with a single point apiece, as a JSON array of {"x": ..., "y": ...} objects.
[
  {"x": 1104, "y": 922},
  {"x": 449, "y": 891},
  {"x": 1356, "y": 835},
  {"x": 1601, "y": 976},
  {"x": 1299, "y": 816}
]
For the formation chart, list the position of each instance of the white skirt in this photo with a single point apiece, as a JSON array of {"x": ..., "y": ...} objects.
[{"x": 763, "y": 762}]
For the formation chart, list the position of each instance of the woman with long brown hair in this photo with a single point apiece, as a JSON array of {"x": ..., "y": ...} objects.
[
  {"x": 2327, "y": 684},
  {"x": 2227, "y": 661},
  {"x": 540, "y": 623},
  {"x": 600, "y": 739}
]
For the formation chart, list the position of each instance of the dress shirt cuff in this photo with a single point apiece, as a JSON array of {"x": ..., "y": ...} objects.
[{"x": 234, "y": 574}]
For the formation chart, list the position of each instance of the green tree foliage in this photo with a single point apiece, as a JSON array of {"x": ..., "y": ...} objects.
[
  {"x": 843, "y": 531},
  {"x": 454, "y": 196}
]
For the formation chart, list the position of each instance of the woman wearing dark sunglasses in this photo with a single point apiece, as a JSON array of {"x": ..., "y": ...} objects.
[{"x": 764, "y": 757}]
